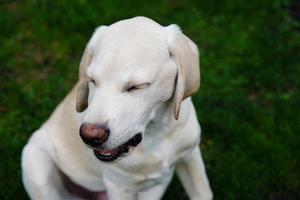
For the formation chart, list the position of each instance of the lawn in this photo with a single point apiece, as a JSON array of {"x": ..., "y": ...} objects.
[{"x": 248, "y": 104}]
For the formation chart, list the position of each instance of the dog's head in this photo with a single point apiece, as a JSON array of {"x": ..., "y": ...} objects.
[{"x": 127, "y": 71}]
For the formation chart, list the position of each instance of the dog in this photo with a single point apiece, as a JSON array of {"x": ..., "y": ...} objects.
[{"x": 127, "y": 125}]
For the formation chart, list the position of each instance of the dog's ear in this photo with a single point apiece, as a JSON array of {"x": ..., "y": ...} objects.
[
  {"x": 82, "y": 96},
  {"x": 83, "y": 90},
  {"x": 186, "y": 56}
]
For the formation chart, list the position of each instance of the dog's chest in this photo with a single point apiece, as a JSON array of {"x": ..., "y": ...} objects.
[
  {"x": 154, "y": 178},
  {"x": 143, "y": 171}
]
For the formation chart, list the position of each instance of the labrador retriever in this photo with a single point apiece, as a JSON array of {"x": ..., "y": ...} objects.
[{"x": 127, "y": 124}]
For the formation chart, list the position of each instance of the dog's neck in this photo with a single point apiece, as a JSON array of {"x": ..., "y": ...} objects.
[
  {"x": 164, "y": 114},
  {"x": 163, "y": 124}
]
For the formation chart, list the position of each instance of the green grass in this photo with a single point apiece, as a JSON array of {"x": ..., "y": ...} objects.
[{"x": 248, "y": 104}]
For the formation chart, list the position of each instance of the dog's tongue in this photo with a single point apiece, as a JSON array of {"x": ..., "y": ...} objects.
[{"x": 107, "y": 152}]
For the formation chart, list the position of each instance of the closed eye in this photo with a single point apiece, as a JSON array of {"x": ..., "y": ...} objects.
[{"x": 136, "y": 87}]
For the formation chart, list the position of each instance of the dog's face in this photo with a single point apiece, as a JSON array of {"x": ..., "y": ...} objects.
[{"x": 128, "y": 70}]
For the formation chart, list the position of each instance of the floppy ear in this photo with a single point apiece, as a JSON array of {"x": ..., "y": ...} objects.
[
  {"x": 83, "y": 90},
  {"x": 186, "y": 56}
]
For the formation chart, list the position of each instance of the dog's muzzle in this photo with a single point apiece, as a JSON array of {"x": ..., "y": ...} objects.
[
  {"x": 95, "y": 135},
  {"x": 109, "y": 155}
]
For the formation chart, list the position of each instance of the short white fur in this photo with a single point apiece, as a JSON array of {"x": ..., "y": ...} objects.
[{"x": 136, "y": 50}]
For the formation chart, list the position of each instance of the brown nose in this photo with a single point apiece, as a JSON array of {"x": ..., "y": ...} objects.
[{"x": 93, "y": 134}]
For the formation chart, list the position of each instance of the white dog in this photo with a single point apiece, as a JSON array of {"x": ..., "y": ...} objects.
[{"x": 127, "y": 124}]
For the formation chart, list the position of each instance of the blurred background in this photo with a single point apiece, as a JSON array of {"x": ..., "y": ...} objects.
[{"x": 248, "y": 104}]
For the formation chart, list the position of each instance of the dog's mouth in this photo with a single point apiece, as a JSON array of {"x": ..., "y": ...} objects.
[{"x": 109, "y": 155}]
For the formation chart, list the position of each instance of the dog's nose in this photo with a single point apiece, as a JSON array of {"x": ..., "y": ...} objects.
[{"x": 93, "y": 134}]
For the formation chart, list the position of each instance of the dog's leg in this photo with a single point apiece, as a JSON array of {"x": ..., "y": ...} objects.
[
  {"x": 39, "y": 173},
  {"x": 156, "y": 192},
  {"x": 191, "y": 172},
  {"x": 118, "y": 194},
  {"x": 119, "y": 191}
]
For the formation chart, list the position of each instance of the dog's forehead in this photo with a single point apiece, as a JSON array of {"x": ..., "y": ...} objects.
[{"x": 137, "y": 44}]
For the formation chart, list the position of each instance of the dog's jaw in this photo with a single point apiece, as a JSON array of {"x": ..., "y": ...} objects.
[{"x": 109, "y": 155}]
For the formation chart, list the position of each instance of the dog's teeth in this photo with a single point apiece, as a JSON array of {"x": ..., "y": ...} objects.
[
  {"x": 106, "y": 152},
  {"x": 108, "y": 155}
]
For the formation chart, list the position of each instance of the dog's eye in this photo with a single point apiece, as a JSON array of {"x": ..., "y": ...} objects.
[{"x": 137, "y": 87}]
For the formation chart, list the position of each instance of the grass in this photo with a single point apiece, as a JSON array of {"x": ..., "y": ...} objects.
[{"x": 248, "y": 104}]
